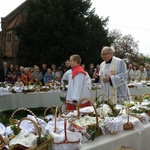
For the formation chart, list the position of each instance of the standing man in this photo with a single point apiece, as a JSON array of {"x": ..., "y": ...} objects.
[
  {"x": 4, "y": 71},
  {"x": 78, "y": 86},
  {"x": 113, "y": 75}
]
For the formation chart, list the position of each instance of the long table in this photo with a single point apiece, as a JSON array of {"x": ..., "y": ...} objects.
[
  {"x": 127, "y": 138},
  {"x": 29, "y": 100},
  {"x": 45, "y": 99},
  {"x": 139, "y": 91}
]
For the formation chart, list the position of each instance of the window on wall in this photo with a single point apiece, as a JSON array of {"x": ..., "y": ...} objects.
[
  {"x": 16, "y": 38},
  {"x": 9, "y": 37}
]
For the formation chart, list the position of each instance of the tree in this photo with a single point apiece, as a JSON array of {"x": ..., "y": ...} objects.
[
  {"x": 124, "y": 45},
  {"x": 146, "y": 58},
  {"x": 55, "y": 29}
]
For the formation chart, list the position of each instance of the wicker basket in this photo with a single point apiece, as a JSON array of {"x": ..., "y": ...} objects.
[
  {"x": 102, "y": 98},
  {"x": 64, "y": 114},
  {"x": 15, "y": 121},
  {"x": 43, "y": 146},
  {"x": 66, "y": 144},
  {"x": 45, "y": 111},
  {"x": 140, "y": 117},
  {"x": 31, "y": 90},
  {"x": 13, "y": 91},
  {"x": 91, "y": 129},
  {"x": 131, "y": 97},
  {"x": 55, "y": 113},
  {"x": 143, "y": 96},
  {"x": 128, "y": 126},
  {"x": 45, "y": 89},
  {"x": 2, "y": 142},
  {"x": 131, "y": 86},
  {"x": 24, "y": 91},
  {"x": 51, "y": 110}
]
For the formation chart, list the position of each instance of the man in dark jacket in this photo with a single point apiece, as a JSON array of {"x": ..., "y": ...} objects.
[{"x": 4, "y": 71}]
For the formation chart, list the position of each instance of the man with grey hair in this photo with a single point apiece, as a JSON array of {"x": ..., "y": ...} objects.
[{"x": 113, "y": 75}]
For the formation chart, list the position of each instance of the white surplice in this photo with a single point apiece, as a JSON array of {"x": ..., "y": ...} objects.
[
  {"x": 78, "y": 87},
  {"x": 118, "y": 73}
]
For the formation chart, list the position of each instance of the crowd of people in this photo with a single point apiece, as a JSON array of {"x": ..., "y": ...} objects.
[
  {"x": 24, "y": 75},
  {"x": 113, "y": 74},
  {"x": 138, "y": 72},
  {"x": 12, "y": 74}
]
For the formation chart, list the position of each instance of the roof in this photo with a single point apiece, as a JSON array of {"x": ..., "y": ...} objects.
[{"x": 16, "y": 21}]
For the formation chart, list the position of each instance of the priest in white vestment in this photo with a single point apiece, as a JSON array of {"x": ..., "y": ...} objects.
[{"x": 113, "y": 76}]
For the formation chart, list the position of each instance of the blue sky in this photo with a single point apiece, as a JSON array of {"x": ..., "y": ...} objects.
[{"x": 129, "y": 16}]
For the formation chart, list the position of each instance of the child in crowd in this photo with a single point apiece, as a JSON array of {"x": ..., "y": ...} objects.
[{"x": 19, "y": 83}]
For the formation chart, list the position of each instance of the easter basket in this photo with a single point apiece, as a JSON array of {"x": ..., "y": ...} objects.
[
  {"x": 45, "y": 88},
  {"x": 68, "y": 140},
  {"x": 15, "y": 121},
  {"x": 87, "y": 125},
  {"x": 142, "y": 98},
  {"x": 69, "y": 113},
  {"x": 64, "y": 139},
  {"x": 2, "y": 142},
  {"x": 42, "y": 143},
  {"x": 51, "y": 110}
]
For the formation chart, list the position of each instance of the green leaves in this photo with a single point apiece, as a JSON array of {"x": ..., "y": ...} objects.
[
  {"x": 15, "y": 129},
  {"x": 40, "y": 140},
  {"x": 115, "y": 112},
  {"x": 55, "y": 29},
  {"x": 3, "y": 118},
  {"x": 94, "y": 131}
]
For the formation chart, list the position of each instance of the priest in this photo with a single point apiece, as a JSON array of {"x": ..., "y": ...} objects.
[{"x": 113, "y": 76}]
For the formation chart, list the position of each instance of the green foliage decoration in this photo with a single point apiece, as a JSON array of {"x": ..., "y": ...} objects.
[
  {"x": 94, "y": 131},
  {"x": 115, "y": 112}
]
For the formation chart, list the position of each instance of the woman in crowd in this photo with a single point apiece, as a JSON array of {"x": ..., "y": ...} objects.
[
  {"x": 143, "y": 73},
  {"x": 48, "y": 77},
  {"x": 27, "y": 77},
  {"x": 56, "y": 73},
  {"x": 134, "y": 73}
]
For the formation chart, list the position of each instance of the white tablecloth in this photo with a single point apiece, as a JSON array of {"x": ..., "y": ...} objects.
[
  {"x": 29, "y": 100},
  {"x": 127, "y": 138},
  {"x": 45, "y": 99}
]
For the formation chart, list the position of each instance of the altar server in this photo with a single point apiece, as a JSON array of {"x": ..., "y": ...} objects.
[{"x": 77, "y": 86}]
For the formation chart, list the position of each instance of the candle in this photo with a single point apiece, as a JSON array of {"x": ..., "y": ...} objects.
[
  {"x": 55, "y": 119},
  {"x": 65, "y": 124},
  {"x": 127, "y": 114}
]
